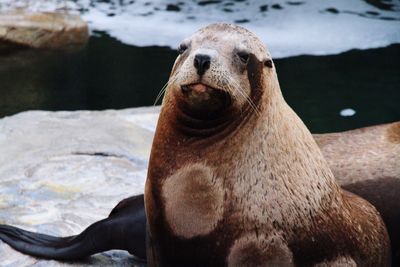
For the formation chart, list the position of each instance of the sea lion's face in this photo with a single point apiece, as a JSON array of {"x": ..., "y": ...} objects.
[{"x": 212, "y": 72}]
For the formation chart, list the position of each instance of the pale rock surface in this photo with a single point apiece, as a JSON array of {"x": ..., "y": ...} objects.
[
  {"x": 62, "y": 171},
  {"x": 43, "y": 29}
]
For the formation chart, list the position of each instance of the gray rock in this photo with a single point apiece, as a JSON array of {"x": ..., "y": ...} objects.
[{"x": 62, "y": 171}]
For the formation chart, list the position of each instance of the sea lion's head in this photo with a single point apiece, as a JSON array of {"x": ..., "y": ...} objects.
[{"x": 220, "y": 68}]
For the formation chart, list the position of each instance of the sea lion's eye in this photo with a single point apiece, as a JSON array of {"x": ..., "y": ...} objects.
[
  {"x": 268, "y": 63},
  {"x": 243, "y": 56},
  {"x": 182, "y": 48}
]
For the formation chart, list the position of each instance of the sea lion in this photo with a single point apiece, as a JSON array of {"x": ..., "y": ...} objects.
[
  {"x": 235, "y": 177},
  {"x": 366, "y": 162}
]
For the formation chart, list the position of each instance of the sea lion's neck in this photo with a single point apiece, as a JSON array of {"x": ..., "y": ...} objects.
[
  {"x": 203, "y": 128},
  {"x": 273, "y": 135},
  {"x": 285, "y": 156}
]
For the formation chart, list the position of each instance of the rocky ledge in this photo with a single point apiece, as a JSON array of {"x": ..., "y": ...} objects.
[
  {"x": 43, "y": 30},
  {"x": 62, "y": 171}
]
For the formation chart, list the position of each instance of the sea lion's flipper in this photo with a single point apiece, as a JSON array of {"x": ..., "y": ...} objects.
[
  {"x": 383, "y": 193},
  {"x": 133, "y": 204},
  {"x": 50, "y": 247},
  {"x": 124, "y": 229}
]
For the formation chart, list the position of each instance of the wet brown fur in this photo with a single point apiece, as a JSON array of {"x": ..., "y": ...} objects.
[
  {"x": 315, "y": 221},
  {"x": 366, "y": 162},
  {"x": 334, "y": 232},
  {"x": 393, "y": 133}
]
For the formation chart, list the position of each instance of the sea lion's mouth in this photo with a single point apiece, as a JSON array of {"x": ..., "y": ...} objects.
[
  {"x": 203, "y": 101},
  {"x": 200, "y": 89}
]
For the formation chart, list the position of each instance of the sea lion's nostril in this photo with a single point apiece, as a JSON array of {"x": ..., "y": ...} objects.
[{"x": 202, "y": 63}]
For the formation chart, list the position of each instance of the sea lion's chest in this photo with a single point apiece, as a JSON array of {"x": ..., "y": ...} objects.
[
  {"x": 206, "y": 223},
  {"x": 193, "y": 200},
  {"x": 197, "y": 198},
  {"x": 207, "y": 213}
]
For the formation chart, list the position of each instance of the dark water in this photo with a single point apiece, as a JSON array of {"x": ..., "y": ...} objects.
[{"x": 111, "y": 75}]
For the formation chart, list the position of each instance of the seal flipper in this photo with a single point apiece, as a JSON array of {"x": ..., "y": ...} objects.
[{"x": 124, "y": 229}]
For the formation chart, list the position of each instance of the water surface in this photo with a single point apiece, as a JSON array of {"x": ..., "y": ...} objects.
[{"x": 109, "y": 74}]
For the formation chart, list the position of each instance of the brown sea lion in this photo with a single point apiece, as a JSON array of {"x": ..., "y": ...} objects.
[
  {"x": 366, "y": 162},
  {"x": 236, "y": 179}
]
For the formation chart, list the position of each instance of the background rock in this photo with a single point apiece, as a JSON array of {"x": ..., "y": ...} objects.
[
  {"x": 62, "y": 171},
  {"x": 43, "y": 29}
]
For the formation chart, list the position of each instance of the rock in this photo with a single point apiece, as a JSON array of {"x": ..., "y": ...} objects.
[
  {"x": 264, "y": 8},
  {"x": 277, "y": 6},
  {"x": 172, "y": 7},
  {"x": 43, "y": 30},
  {"x": 62, "y": 171},
  {"x": 332, "y": 10}
]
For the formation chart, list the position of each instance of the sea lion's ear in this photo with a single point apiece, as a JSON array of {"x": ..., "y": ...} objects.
[{"x": 268, "y": 63}]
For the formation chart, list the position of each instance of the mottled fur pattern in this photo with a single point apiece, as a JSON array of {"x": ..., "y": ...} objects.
[
  {"x": 366, "y": 162},
  {"x": 363, "y": 154},
  {"x": 275, "y": 200}
]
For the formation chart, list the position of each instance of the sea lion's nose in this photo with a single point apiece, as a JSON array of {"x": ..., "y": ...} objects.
[{"x": 202, "y": 63}]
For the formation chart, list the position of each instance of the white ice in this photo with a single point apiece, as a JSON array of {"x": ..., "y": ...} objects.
[{"x": 305, "y": 28}]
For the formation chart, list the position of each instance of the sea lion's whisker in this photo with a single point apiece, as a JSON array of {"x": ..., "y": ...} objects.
[
  {"x": 163, "y": 89},
  {"x": 247, "y": 98},
  {"x": 160, "y": 93}
]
